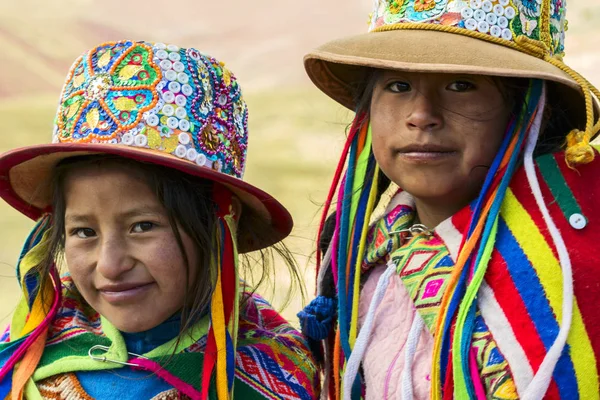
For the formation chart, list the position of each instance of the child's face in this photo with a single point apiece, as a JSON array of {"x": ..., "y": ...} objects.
[
  {"x": 121, "y": 250},
  {"x": 435, "y": 135}
]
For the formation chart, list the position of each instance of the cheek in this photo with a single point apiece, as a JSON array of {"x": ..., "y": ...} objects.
[{"x": 79, "y": 266}]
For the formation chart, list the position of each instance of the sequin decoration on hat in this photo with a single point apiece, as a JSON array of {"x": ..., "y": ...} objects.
[
  {"x": 503, "y": 19},
  {"x": 165, "y": 98}
]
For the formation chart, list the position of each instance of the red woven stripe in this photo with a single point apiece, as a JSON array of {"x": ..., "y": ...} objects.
[{"x": 514, "y": 309}]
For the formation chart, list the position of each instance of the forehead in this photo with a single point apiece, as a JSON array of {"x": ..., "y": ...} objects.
[{"x": 106, "y": 186}]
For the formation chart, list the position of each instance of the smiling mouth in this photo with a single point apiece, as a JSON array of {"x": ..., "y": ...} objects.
[{"x": 125, "y": 292}]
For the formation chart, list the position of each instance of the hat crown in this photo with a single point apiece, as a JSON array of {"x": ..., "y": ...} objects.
[
  {"x": 540, "y": 20},
  {"x": 158, "y": 97}
]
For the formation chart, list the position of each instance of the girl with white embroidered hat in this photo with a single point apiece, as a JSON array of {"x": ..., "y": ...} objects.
[
  {"x": 131, "y": 279},
  {"x": 479, "y": 277}
]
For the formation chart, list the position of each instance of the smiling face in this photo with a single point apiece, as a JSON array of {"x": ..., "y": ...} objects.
[
  {"x": 121, "y": 250},
  {"x": 435, "y": 135}
]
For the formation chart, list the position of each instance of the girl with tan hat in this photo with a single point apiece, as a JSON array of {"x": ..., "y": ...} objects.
[
  {"x": 132, "y": 284},
  {"x": 461, "y": 260}
]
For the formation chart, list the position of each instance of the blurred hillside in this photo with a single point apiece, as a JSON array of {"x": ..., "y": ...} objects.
[{"x": 296, "y": 132}]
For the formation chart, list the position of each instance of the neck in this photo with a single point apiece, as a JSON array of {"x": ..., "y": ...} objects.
[{"x": 432, "y": 213}]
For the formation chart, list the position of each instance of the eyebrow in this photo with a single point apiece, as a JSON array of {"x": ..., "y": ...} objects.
[{"x": 131, "y": 213}]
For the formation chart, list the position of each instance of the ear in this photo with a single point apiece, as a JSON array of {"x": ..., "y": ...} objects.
[{"x": 236, "y": 206}]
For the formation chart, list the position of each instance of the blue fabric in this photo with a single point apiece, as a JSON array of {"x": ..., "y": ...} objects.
[
  {"x": 113, "y": 383},
  {"x": 316, "y": 320},
  {"x": 121, "y": 383},
  {"x": 144, "y": 342}
]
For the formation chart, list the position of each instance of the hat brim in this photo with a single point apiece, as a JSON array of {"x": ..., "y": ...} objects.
[
  {"x": 25, "y": 176},
  {"x": 338, "y": 66}
]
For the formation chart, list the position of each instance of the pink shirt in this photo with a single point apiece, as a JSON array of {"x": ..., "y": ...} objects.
[{"x": 383, "y": 362}]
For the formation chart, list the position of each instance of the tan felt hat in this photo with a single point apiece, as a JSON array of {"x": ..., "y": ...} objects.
[{"x": 505, "y": 38}]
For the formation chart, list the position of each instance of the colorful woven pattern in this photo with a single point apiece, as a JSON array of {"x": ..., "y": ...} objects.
[
  {"x": 424, "y": 265},
  {"x": 174, "y": 100},
  {"x": 272, "y": 360}
]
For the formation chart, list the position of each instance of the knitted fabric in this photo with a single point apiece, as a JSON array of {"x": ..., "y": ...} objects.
[
  {"x": 519, "y": 303},
  {"x": 424, "y": 265},
  {"x": 272, "y": 359}
]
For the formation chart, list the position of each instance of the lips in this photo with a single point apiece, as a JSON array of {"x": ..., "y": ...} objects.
[
  {"x": 122, "y": 287},
  {"x": 126, "y": 292},
  {"x": 426, "y": 148},
  {"x": 426, "y": 153}
]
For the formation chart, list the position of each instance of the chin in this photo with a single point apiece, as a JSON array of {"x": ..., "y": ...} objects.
[{"x": 129, "y": 324}]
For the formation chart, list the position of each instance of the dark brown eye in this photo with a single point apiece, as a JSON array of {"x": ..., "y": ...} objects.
[
  {"x": 142, "y": 227},
  {"x": 398, "y": 87},
  {"x": 461, "y": 86},
  {"x": 83, "y": 233}
]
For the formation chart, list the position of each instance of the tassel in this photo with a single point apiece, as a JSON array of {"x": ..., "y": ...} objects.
[{"x": 224, "y": 307}]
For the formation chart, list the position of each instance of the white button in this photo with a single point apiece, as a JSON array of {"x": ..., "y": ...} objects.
[
  {"x": 140, "y": 140},
  {"x": 467, "y": 12},
  {"x": 483, "y": 27},
  {"x": 187, "y": 90},
  {"x": 174, "y": 56},
  {"x": 201, "y": 159},
  {"x": 172, "y": 122},
  {"x": 479, "y": 15},
  {"x": 127, "y": 139},
  {"x": 160, "y": 85},
  {"x": 184, "y": 125},
  {"x": 166, "y": 65},
  {"x": 498, "y": 10},
  {"x": 178, "y": 66},
  {"x": 182, "y": 77},
  {"x": 172, "y": 47},
  {"x": 161, "y": 54},
  {"x": 170, "y": 75},
  {"x": 168, "y": 110},
  {"x": 181, "y": 151},
  {"x": 471, "y": 24},
  {"x": 184, "y": 138},
  {"x": 180, "y": 100},
  {"x": 491, "y": 19},
  {"x": 174, "y": 87},
  {"x": 577, "y": 221},
  {"x": 495, "y": 31},
  {"x": 509, "y": 12},
  {"x": 152, "y": 120},
  {"x": 160, "y": 46},
  {"x": 180, "y": 112},
  {"x": 475, "y": 4},
  {"x": 168, "y": 96},
  {"x": 191, "y": 154},
  {"x": 503, "y": 3},
  {"x": 507, "y": 34},
  {"x": 502, "y": 22},
  {"x": 487, "y": 6}
]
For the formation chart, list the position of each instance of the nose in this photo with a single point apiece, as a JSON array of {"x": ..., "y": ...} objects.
[
  {"x": 424, "y": 113},
  {"x": 113, "y": 258}
]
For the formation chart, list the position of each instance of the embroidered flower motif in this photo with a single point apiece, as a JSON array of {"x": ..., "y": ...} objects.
[
  {"x": 424, "y": 10},
  {"x": 108, "y": 92},
  {"x": 396, "y": 6},
  {"x": 424, "y": 5}
]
